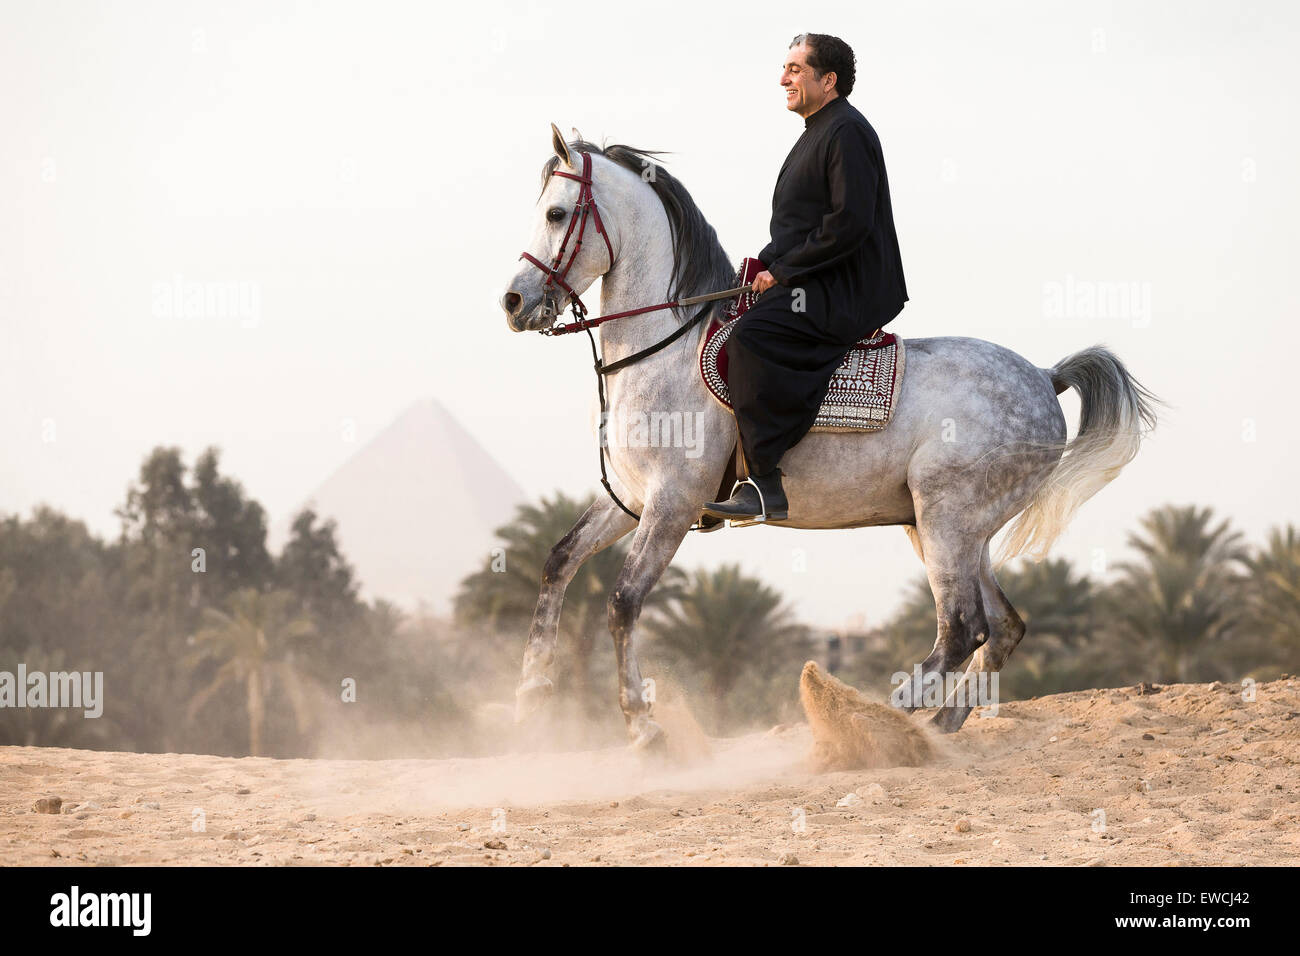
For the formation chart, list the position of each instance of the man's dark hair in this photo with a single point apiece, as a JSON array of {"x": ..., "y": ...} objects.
[{"x": 828, "y": 54}]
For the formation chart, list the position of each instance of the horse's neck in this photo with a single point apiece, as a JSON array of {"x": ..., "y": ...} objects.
[{"x": 632, "y": 285}]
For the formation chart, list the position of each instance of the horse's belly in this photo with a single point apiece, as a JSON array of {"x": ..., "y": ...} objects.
[{"x": 846, "y": 480}]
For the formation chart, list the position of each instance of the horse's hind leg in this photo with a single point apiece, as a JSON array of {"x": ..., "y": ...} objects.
[
  {"x": 600, "y": 526},
  {"x": 663, "y": 526},
  {"x": 1005, "y": 631},
  {"x": 952, "y": 562}
]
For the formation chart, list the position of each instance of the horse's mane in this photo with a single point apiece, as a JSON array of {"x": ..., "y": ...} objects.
[{"x": 699, "y": 263}]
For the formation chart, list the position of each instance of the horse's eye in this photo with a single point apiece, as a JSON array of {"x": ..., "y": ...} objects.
[{"x": 555, "y": 215}]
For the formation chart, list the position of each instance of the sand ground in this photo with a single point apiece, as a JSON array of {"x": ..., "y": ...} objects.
[{"x": 1192, "y": 774}]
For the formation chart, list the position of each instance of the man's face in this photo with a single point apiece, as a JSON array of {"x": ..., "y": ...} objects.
[{"x": 805, "y": 92}]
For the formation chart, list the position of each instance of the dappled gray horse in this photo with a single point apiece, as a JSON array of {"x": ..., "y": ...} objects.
[{"x": 978, "y": 436}]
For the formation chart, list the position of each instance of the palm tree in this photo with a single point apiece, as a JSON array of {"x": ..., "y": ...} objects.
[
  {"x": 1273, "y": 597},
  {"x": 725, "y": 626},
  {"x": 1172, "y": 610},
  {"x": 506, "y": 597},
  {"x": 506, "y": 586},
  {"x": 1057, "y": 608},
  {"x": 253, "y": 643},
  {"x": 1051, "y": 599}
]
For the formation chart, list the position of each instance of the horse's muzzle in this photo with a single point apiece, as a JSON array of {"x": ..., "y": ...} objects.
[{"x": 520, "y": 318}]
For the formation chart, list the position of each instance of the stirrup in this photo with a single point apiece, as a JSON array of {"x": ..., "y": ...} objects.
[{"x": 762, "y": 507}]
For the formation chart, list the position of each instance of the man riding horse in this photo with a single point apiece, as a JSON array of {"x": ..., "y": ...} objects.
[
  {"x": 832, "y": 273},
  {"x": 832, "y": 276}
]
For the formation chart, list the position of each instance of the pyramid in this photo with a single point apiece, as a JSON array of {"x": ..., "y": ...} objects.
[{"x": 416, "y": 508}]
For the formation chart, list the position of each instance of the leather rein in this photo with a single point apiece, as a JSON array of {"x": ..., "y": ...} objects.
[{"x": 583, "y": 210}]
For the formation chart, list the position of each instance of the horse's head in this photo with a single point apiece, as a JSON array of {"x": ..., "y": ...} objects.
[{"x": 570, "y": 247}]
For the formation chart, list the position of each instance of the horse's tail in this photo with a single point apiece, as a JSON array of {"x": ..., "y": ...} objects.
[{"x": 1115, "y": 413}]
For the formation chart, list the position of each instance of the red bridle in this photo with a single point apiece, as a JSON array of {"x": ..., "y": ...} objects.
[{"x": 583, "y": 209}]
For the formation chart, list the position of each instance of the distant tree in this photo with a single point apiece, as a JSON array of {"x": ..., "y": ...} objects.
[
  {"x": 54, "y": 584},
  {"x": 409, "y": 675},
  {"x": 313, "y": 568},
  {"x": 253, "y": 644},
  {"x": 159, "y": 504},
  {"x": 1058, "y": 608},
  {"x": 191, "y": 542},
  {"x": 1273, "y": 599},
  {"x": 506, "y": 587},
  {"x": 1173, "y": 612},
  {"x": 159, "y": 525},
  {"x": 186, "y": 545},
  {"x": 909, "y": 633},
  {"x": 60, "y": 610},
  {"x": 231, "y": 528},
  {"x": 1051, "y": 599},
  {"x": 724, "y": 625},
  {"x": 180, "y": 635}
]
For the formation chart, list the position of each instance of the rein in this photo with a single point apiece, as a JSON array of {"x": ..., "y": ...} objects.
[{"x": 583, "y": 209}]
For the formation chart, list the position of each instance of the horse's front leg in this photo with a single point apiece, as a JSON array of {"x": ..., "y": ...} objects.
[
  {"x": 663, "y": 526},
  {"x": 600, "y": 526}
]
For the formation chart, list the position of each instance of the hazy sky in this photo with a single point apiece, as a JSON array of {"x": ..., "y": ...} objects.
[{"x": 365, "y": 174}]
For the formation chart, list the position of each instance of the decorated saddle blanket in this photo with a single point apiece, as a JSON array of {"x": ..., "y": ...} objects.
[{"x": 863, "y": 390}]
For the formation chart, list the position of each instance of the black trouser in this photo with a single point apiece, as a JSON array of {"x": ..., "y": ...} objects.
[{"x": 779, "y": 368}]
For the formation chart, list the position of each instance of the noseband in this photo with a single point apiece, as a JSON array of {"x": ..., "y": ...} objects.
[{"x": 583, "y": 209}]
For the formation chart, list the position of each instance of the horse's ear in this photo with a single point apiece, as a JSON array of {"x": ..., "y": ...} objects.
[{"x": 560, "y": 146}]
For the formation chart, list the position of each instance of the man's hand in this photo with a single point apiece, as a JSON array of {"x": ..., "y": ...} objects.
[{"x": 763, "y": 281}]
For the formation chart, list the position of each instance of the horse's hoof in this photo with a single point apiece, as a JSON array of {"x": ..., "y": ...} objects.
[
  {"x": 650, "y": 739},
  {"x": 532, "y": 696},
  {"x": 949, "y": 719}
]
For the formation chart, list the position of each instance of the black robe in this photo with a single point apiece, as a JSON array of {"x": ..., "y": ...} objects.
[{"x": 835, "y": 256}]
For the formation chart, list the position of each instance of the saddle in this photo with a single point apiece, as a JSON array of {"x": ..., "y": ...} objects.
[{"x": 863, "y": 390}]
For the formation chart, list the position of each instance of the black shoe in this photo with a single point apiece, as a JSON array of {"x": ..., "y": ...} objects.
[{"x": 759, "y": 497}]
